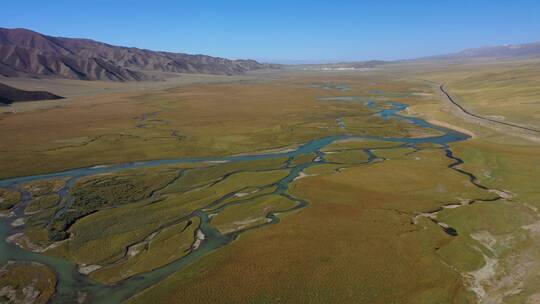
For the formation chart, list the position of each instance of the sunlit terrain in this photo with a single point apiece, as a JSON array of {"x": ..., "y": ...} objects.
[{"x": 375, "y": 157}]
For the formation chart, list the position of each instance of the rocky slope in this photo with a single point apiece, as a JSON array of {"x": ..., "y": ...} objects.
[
  {"x": 10, "y": 95},
  {"x": 27, "y": 53}
]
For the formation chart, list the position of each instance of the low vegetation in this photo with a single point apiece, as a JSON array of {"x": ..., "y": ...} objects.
[
  {"x": 383, "y": 220},
  {"x": 26, "y": 283},
  {"x": 8, "y": 198},
  {"x": 251, "y": 213}
]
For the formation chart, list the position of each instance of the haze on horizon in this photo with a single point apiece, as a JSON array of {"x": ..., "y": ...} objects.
[{"x": 278, "y": 31}]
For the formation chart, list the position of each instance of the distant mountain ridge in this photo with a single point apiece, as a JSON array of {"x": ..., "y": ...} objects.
[
  {"x": 508, "y": 51},
  {"x": 27, "y": 53},
  {"x": 339, "y": 66},
  {"x": 500, "y": 51}
]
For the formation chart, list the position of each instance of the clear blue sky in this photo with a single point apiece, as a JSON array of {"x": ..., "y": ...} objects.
[{"x": 311, "y": 30}]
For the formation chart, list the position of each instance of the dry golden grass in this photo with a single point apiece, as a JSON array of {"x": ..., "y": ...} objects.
[
  {"x": 354, "y": 243},
  {"x": 198, "y": 120},
  {"x": 195, "y": 120},
  {"x": 506, "y": 91}
]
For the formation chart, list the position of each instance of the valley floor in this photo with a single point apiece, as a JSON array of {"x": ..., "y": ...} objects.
[{"x": 290, "y": 186}]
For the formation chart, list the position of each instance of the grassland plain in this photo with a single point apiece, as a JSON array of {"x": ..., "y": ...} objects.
[
  {"x": 217, "y": 119},
  {"x": 506, "y": 233},
  {"x": 385, "y": 223},
  {"x": 329, "y": 250},
  {"x": 505, "y": 91},
  {"x": 493, "y": 259}
]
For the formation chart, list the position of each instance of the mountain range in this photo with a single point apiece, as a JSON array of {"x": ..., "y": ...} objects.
[
  {"x": 30, "y": 54},
  {"x": 27, "y": 53},
  {"x": 525, "y": 50},
  {"x": 508, "y": 51}
]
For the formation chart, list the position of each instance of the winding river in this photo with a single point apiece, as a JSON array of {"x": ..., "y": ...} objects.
[{"x": 73, "y": 285}]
